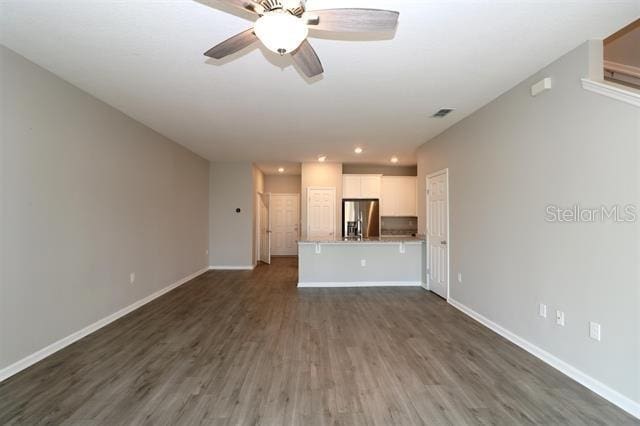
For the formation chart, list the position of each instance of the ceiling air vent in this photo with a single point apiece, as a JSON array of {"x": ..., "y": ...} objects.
[{"x": 443, "y": 113}]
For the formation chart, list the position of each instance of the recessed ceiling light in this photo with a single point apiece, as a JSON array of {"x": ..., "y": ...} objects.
[
  {"x": 281, "y": 170},
  {"x": 394, "y": 159},
  {"x": 358, "y": 150},
  {"x": 322, "y": 158}
]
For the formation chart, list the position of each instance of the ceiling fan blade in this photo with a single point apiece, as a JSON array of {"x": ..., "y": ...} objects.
[
  {"x": 352, "y": 20},
  {"x": 307, "y": 59},
  {"x": 249, "y": 5},
  {"x": 232, "y": 45}
]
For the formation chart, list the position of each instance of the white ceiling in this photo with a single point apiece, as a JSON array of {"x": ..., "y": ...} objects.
[{"x": 145, "y": 58}]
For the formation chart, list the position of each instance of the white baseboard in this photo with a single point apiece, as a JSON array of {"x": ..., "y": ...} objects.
[
  {"x": 627, "y": 404},
  {"x": 361, "y": 284},
  {"x": 29, "y": 360},
  {"x": 232, "y": 267}
]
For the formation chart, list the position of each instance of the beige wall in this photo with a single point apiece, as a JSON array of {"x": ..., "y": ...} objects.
[
  {"x": 624, "y": 46},
  {"x": 88, "y": 196},
  {"x": 324, "y": 175},
  {"x": 231, "y": 233},
  {"x": 283, "y": 184},
  {"x": 507, "y": 162}
]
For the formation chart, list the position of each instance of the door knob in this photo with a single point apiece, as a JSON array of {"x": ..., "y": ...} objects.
[{"x": 443, "y": 242}]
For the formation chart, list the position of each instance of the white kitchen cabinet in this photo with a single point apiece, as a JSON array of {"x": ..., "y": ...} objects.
[
  {"x": 361, "y": 186},
  {"x": 399, "y": 196},
  {"x": 351, "y": 186},
  {"x": 390, "y": 196},
  {"x": 370, "y": 186}
]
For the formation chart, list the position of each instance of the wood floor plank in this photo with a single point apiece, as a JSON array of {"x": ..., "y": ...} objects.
[{"x": 241, "y": 348}]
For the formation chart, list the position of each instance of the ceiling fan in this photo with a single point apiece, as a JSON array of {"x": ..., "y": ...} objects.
[{"x": 283, "y": 26}]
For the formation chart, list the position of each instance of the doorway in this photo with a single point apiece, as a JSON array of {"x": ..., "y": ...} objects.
[
  {"x": 285, "y": 224},
  {"x": 265, "y": 229},
  {"x": 438, "y": 233}
]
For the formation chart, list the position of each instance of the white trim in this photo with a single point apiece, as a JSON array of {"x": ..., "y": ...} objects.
[
  {"x": 257, "y": 237},
  {"x": 615, "y": 397},
  {"x": 232, "y": 267},
  {"x": 426, "y": 228},
  {"x": 629, "y": 70},
  {"x": 29, "y": 360},
  {"x": 259, "y": 229},
  {"x": 361, "y": 284},
  {"x": 611, "y": 90}
]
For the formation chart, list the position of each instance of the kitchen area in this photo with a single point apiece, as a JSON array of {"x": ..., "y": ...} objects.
[{"x": 365, "y": 236}]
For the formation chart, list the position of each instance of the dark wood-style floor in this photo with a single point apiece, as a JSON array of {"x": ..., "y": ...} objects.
[{"x": 249, "y": 348}]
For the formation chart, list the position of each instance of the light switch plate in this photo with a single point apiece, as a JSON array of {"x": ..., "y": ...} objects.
[
  {"x": 560, "y": 318},
  {"x": 595, "y": 331},
  {"x": 542, "y": 310}
]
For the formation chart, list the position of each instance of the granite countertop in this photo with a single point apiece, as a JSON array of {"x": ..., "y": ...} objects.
[{"x": 370, "y": 240}]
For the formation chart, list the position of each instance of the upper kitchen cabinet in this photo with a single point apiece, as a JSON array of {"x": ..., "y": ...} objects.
[
  {"x": 370, "y": 186},
  {"x": 351, "y": 186},
  {"x": 361, "y": 186},
  {"x": 399, "y": 196}
]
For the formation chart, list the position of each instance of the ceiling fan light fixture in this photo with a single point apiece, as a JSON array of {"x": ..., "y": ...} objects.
[{"x": 280, "y": 31}]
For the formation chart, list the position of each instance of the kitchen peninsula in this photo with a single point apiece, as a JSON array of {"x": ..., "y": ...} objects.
[{"x": 367, "y": 262}]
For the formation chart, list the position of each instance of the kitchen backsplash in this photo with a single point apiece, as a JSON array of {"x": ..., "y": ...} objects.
[{"x": 404, "y": 225}]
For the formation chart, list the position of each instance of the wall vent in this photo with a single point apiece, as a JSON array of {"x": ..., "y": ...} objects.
[{"x": 443, "y": 112}]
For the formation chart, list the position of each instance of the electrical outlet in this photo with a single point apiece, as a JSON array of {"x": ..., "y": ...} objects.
[
  {"x": 542, "y": 310},
  {"x": 132, "y": 278},
  {"x": 560, "y": 318},
  {"x": 595, "y": 331},
  {"x": 363, "y": 262},
  {"x": 460, "y": 277}
]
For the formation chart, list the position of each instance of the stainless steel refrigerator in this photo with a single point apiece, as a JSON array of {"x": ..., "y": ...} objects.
[{"x": 361, "y": 218}]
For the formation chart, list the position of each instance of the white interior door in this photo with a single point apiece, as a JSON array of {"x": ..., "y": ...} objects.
[
  {"x": 438, "y": 233},
  {"x": 285, "y": 216},
  {"x": 265, "y": 229},
  {"x": 321, "y": 213}
]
